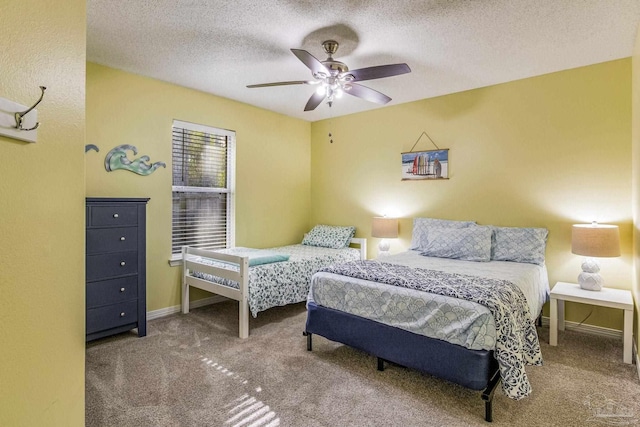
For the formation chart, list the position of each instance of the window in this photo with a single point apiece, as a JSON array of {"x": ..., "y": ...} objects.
[{"x": 203, "y": 187}]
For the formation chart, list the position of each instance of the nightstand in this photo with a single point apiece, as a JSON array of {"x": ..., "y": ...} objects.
[{"x": 607, "y": 297}]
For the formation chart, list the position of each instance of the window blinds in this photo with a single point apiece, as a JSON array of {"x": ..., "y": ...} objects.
[{"x": 202, "y": 187}]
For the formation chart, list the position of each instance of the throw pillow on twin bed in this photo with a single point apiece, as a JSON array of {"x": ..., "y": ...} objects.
[
  {"x": 469, "y": 244},
  {"x": 329, "y": 236}
]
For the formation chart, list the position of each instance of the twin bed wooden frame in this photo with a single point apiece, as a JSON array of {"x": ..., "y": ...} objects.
[{"x": 241, "y": 277}]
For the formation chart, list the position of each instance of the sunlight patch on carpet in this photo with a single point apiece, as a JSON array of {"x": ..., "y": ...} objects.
[
  {"x": 605, "y": 411},
  {"x": 246, "y": 410}
]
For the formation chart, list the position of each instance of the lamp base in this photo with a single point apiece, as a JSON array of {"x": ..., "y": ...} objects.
[
  {"x": 589, "y": 279},
  {"x": 383, "y": 248}
]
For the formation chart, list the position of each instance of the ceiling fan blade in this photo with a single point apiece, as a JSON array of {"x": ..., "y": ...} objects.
[
  {"x": 378, "y": 72},
  {"x": 310, "y": 61},
  {"x": 367, "y": 93},
  {"x": 314, "y": 101},
  {"x": 297, "y": 82}
]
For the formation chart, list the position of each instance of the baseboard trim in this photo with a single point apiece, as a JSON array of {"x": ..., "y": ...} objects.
[
  {"x": 587, "y": 329},
  {"x": 156, "y": 314},
  {"x": 572, "y": 326}
]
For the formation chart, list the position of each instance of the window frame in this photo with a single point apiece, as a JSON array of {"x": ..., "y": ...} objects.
[{"x": 176, "y": 258}]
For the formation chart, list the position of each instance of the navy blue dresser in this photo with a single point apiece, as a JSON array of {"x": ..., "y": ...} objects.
[{"x": 116, "y": 266}]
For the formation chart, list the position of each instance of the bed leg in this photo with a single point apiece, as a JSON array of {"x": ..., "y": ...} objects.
[
  {"x": 244, "y": 319},
  {"x": 309, "y": 340},
  {"x": 487, "y": 396},
  {"x": 380, "y": 364},
  {"x": 488, "y": 411},
  {"x": 243, "y": 310},
  {"x": 185, "y": 298},
  {"x": 185, "y": 286}
]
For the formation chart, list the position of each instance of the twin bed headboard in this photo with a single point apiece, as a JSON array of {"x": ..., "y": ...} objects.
[{"x": 359, "y": 241}]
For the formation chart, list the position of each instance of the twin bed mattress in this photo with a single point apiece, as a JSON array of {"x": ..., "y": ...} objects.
[{"x": 279, "y": 283}]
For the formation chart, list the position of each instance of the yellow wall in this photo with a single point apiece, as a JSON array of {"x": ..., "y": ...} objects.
[
  {"x": 272, "y": 176},
  {"x": 42, "y": 296},
  {"x": 548, "y": 151}
]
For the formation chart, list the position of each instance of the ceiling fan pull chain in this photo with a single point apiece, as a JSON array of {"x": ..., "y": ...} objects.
[{"x": 330, "y": 126}]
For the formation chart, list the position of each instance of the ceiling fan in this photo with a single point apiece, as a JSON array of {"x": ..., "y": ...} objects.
[{"x": 333, "y": 78}]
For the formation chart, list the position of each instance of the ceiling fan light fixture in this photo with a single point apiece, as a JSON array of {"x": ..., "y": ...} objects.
[{"x": 333, "y": 78}]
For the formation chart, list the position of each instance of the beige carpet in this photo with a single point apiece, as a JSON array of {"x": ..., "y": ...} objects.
[{"x": 192, "y": 370}]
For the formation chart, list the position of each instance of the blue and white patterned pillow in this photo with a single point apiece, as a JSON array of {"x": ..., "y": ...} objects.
[
  {"x": 470, "y": 244},
  {"x": 519, "y": 244},
  {"x": 329, "y": 236},
  {"x": 421, "y": 227}
]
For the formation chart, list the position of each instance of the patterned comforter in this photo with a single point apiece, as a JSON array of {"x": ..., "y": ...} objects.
[
  {"x": 280, "y": 283},
  {"x": 516, "y": 343}
]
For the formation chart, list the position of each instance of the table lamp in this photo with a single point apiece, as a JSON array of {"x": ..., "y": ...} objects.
[
  {"x": 386, "y": 228},
  {"x": 594, "y": 240}
]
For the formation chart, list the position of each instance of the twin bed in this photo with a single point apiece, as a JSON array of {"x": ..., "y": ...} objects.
[
  {"x": 460, "y": 304},
  {"x": 263, "y": 278}
]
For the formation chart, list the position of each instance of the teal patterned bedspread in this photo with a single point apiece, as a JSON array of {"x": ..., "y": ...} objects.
[
  {"x": 453, "y": 320},
  {"x": 280, "y": 283}
]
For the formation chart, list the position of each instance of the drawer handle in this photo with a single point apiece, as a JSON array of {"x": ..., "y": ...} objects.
[
  {"x": 122, "y": 264},
  {"x": 115, "y": 215},
  {"x": 122, "y": 314},
  {"x": 122, "y": 239},
  {"x": 122, "y": 289}
]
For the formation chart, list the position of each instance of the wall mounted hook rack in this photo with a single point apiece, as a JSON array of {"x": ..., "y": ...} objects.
[{"x": 20, "y": 114}]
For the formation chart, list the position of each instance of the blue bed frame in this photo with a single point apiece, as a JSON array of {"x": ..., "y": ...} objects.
[{"x": 474, "y": 369}]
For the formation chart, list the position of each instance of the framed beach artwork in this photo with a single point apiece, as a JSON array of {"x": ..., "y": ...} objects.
[{"x": 432, "y": 164}]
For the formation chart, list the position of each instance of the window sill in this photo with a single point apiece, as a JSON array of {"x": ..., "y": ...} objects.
[{"x": 175, "y": 261}]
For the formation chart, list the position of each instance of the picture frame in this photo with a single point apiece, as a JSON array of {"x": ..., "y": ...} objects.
[{"x": 431, "y": 164}]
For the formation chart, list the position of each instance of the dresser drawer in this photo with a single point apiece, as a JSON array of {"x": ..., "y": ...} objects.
[
  {"x": 101, "y": 240},
  {"x": 112, "y": 291},
  {"x": 111, "y": 316},
  {"x": 112, "y": 216},
  {"x": 111, "y": 265}
]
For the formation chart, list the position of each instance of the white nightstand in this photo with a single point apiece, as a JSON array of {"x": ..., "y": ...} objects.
[{"x": 607, "y": 297}]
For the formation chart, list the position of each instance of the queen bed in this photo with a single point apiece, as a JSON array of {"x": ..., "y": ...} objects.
[
  {"x": 260, "y": 279},
  {"x": 460, "y": 305}
]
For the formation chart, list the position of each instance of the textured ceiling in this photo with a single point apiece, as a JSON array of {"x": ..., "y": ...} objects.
[{"x": 219, "y": 47}]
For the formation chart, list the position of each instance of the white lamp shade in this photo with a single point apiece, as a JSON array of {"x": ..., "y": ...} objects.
[
  {"x": 386, "y": 228},
  {"x": 595, "y": 240}
]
